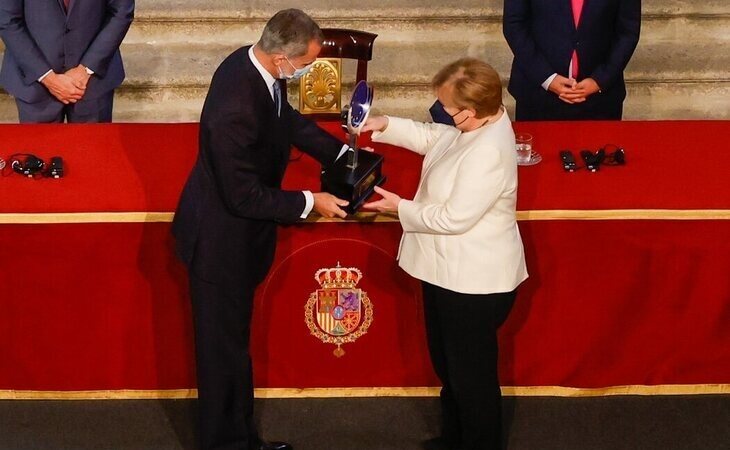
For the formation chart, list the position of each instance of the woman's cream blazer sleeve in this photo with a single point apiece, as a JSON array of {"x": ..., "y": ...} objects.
[
  {"x": 480, "y": 180},
  {"x": 415, "y": 136}
]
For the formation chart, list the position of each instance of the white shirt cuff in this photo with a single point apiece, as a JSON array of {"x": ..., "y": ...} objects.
[
  {"x": 309, "y": 197},
  {"x": 309, "y": 204},
  {"x": 546, "y": 83},
  {"x": 43, "y": 77},
  {"x": 89, "y": 71}
]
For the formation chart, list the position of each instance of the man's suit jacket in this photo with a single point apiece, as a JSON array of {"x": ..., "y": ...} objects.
[
  {"x": 39, "y": 35},
  {"x": 460, "y": 230},
  {"x": 542, "y": 36},
  {"x": 225, "y": 223}
]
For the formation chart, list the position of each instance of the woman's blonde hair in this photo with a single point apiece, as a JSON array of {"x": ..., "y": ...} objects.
[{"x": 474, "y": 84}]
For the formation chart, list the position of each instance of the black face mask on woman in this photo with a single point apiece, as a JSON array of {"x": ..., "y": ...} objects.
[{"x": 439, "y": 114}]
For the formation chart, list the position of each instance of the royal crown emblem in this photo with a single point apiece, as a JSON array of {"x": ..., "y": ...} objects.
[{"x": 339, "y": 312}]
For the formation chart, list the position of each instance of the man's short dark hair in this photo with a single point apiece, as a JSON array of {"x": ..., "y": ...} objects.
[{"x": 289, "y": 32}]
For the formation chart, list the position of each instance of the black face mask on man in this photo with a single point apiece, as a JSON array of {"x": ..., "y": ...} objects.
[{"x": 440, "y": 115}]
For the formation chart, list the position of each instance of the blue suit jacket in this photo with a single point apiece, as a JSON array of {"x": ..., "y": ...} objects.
[
  {"x": 542, "y": 36},
  {"x": 39, "y": 35}
]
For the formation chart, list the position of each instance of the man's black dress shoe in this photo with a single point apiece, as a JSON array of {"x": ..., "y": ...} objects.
[{"x": 275, "y": 446}]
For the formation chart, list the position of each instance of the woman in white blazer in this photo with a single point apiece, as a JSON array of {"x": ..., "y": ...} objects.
[{"x": 460, "y": 238}]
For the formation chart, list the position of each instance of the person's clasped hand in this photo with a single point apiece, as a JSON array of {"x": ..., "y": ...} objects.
[
  {"x": 80, "y": 76},
  {"x": 64, "y": 87},
  {"x": 572, "y": 91}
]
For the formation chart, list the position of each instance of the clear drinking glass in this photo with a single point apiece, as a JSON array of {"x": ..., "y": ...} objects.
[{"x": 523, "y": 144}]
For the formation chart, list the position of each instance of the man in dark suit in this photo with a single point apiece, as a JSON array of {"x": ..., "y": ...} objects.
[
  {"x": 225, "y": 224},
  {"x": 62, "y": 57},
  {"x": 570, "y": 56}
]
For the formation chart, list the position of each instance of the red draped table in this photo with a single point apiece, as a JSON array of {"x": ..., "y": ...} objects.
[{"x": 628, "y": 287}]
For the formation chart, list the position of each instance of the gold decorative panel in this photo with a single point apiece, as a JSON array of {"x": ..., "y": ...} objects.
[{"x": 320, "y": 89}]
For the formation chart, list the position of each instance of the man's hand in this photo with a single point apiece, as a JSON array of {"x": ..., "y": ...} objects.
[
  {"x": 581, "y": 91},
  {"x": 378, "y": 123},
  {"x": 561, "y": 86},
  {"x": 388, "y": 203},
  {"x": 63, "y": 87},
  {"x": 327, "y": 205},
  {"x": 80, "y": 76}
]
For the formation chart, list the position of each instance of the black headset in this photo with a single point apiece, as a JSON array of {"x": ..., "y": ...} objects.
[
  {"x": 30, "y": 165},
  {"x": 608, "y": 155},
  {"x": 27, "y": 164}
]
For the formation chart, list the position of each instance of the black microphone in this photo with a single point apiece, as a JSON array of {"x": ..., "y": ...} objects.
[{"x": 56, "y": 168}]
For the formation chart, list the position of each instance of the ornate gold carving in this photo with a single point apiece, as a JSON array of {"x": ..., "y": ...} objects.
[{"x": 320, "y": 89}]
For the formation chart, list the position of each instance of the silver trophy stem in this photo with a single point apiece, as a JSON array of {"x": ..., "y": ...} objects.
[{"x": 353, "y": 145}]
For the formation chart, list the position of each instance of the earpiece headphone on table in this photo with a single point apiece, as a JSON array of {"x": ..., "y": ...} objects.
[
  {"x": 29, "y": 165},
  {"x": 609, "y": 155}
]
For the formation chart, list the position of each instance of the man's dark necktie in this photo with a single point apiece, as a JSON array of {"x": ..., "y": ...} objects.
[
  {"x": 577, "y": 6},
  {"x": 277, "y": 97}
]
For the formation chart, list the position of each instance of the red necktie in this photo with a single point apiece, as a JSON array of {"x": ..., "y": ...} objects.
[
  {"x": 577, "y": 8},
  {"x": 66, "y": 3}
]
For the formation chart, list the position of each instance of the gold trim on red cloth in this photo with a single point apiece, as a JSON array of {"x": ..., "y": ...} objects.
[
  {"x": 625, "y": 214},
  {"x": 89, "y": 217},
  {"x": 511, "y": 391},
  {"x": 365, "y": 217}
]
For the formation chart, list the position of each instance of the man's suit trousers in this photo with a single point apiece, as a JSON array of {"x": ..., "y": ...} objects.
[{"x": 222, "y": 320}]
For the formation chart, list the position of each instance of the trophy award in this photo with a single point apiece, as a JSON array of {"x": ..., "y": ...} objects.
[{"x": 354, "y": 176}]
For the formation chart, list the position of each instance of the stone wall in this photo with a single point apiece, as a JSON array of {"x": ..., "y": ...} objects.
[{"x": 681, "y": 68}]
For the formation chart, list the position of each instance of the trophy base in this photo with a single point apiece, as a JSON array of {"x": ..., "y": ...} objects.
[{"x": 354, "y": 185}]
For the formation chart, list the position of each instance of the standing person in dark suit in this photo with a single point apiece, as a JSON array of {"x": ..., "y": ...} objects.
[
  {"x": 570, "y": 56},
  {"x": 225, "y": 224},
  {"x": 62, "y": 57}
]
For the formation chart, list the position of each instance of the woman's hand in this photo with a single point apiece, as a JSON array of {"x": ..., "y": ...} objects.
[
  {"x": 388, "y": 203},
  {"x": 377, "y": 123}
]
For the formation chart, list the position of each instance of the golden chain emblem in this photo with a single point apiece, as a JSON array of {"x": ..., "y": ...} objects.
[{"x": 338, "y": 313}]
